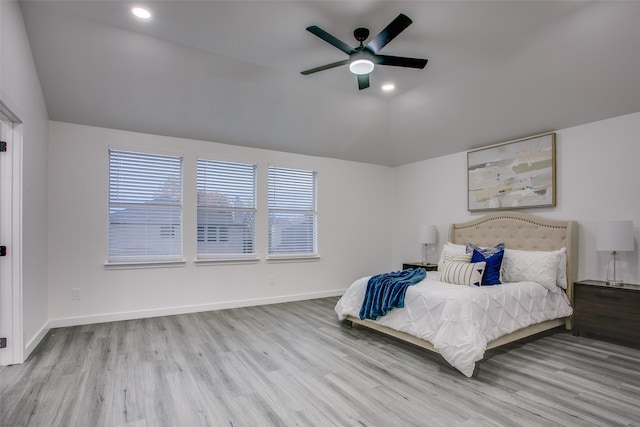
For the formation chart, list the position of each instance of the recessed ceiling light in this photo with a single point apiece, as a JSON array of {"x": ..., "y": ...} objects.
[
  {"x": 141, "y": 13},
  {"x": 388, "y": 87}
]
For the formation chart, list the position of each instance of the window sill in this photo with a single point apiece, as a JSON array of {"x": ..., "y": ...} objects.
[
  {"x": 223, "y": 261},
  {"x": 293, "y": 258},
  {"x": 143, "y": 264}
]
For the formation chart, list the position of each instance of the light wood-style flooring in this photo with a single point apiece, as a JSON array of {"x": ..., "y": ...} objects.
[{"x": 295, "y": 364}]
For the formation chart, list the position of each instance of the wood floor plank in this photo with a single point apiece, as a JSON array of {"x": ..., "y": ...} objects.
[{"x": 295, "y": 364}]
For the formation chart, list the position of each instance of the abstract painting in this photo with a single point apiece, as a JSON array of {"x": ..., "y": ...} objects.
[{"x": 513, "y": 175}]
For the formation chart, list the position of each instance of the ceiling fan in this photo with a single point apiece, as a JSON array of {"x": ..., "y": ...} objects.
[{"x": 362, "y": 59}]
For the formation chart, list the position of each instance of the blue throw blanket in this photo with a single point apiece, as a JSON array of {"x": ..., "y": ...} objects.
[{"x": 387, "y": 291}]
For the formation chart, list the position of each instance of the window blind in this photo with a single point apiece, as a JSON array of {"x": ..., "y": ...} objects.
[
  {"x": 226, "y": 209},
  {"x": 145, "y": 207},
  {"x": 292, "y": 211}
]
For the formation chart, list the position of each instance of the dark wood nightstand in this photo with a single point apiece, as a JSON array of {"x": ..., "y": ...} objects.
[
  {"x": 428, "y": 266},
  {"x": 607, "y": 311}
]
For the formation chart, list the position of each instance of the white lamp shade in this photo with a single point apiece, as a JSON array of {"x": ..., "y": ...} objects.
[
  {"x": 427, "y": 234},
  {"x": 614, "y": 236}
]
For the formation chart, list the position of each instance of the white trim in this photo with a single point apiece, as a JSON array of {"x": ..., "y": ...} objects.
[
  {"x": 144, "y": 264},
  {"x": 8, "y": 114},
  {"x": 141, "y": 314},
  {"x": 11, "y": 285},
  {"x": 298, "y": 164},
  {"x": 216, "y": 157},
  {"x": 218, "y": 261},
  {"x": 145, "y": 150},
  {"x": 33, "y": 342},
  {"x": 16, "y": 243},
  {"x": 293, "y": 258}
]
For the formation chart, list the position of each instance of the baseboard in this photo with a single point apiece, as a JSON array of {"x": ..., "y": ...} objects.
[
  {"x": 141, "y": 314},
  {"x": 33, "y": 342}
]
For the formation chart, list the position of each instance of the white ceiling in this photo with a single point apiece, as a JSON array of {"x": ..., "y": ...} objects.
[{"x": 229, "y": 72}]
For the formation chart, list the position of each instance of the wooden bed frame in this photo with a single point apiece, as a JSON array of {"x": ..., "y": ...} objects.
[{"x": 517, "y": 231}]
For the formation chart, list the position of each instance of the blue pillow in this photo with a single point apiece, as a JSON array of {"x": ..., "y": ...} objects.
[{"x": 493, "y": 257}]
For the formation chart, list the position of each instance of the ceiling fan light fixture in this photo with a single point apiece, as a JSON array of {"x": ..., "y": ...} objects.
[{"x": 361, "y": 66}]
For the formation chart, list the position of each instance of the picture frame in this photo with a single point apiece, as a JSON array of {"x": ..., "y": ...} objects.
[{"x": 513, "y": 175}]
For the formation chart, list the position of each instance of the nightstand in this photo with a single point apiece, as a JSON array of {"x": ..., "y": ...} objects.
[
  {"x": 428, "y": 266},
  {"x": 607, "y": 311}
]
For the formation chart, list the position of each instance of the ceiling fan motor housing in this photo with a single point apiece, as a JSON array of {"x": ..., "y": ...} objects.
[{"x": 361, "y": 34}]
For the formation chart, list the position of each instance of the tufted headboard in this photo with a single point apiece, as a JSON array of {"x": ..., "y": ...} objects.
[{"x": 525, "y": 232}]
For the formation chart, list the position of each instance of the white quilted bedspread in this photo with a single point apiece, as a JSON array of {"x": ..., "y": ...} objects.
[{"x": 460, "y": 320}]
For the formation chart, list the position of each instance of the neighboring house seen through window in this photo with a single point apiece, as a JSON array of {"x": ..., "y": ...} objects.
[
  {"x": 226, "y": 210},
  {"x": 292, "y": 212},
  {"x": 145, "y": 207}
]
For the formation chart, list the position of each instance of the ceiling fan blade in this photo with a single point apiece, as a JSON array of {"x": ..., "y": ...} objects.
[
  {"x": 363, "y": 81},
  {"x": 331, "y": 39},
  {"x": 396, "y": 26},
  {"x": 400, "y": 61},
  {"x": 325, "y": 67}
]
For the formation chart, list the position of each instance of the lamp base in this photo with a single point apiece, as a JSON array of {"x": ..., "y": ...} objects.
[
  {"x": 424, "y": 254},
  {"x": 614, "y": 283}
]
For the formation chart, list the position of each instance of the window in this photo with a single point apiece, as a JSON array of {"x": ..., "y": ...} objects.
[
  {"x": 213, "y": 233},
  {"x": 226, "y": 209},
  {"x": 145, "y": 207},
  {"x": 292, "y": 212}
]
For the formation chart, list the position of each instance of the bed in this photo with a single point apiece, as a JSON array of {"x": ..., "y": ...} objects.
[{"x": 546, "y": 307}]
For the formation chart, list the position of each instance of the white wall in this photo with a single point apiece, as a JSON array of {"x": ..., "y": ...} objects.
[
  {"x": 597, "y": 167},
  {"x": 359, "y": 233},
  {"x": 354, "y": 232},
  {"x": 20, "y": 91}
]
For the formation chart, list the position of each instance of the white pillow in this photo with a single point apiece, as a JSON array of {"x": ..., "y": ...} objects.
[
  {"x": 463, "y": 273},
  {"x": 561, "y": 274},
  {"x": 453, "y": 249},
  {"x": 453, "y": 257},
  {"x": 534, "y": 266}
]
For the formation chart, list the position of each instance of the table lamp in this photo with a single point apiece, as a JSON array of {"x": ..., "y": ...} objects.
[
  {"x": 426, "y": 236},
  {"x": 614, "y": 236}
]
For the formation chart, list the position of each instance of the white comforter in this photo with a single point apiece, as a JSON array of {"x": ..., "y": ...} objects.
[{"x": 460, "y": 320}]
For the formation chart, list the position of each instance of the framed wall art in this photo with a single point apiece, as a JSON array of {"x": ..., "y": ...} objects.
[{"x": 513, "y": 175}]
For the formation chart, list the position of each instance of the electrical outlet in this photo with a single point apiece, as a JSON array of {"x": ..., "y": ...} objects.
[{"x": 75, "y": 294}]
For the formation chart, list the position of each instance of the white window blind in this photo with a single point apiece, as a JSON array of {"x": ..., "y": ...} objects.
[
  {"x": 226, "y": 209},
  {"x": 292, "y": 212},
  {"x": 145, "y": 207}
]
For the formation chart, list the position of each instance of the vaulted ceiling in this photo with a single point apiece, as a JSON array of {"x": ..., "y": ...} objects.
[{"x": 229, "y": 72}]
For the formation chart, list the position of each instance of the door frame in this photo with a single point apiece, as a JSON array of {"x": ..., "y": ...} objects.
[{"x": 11, "y": 229}]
